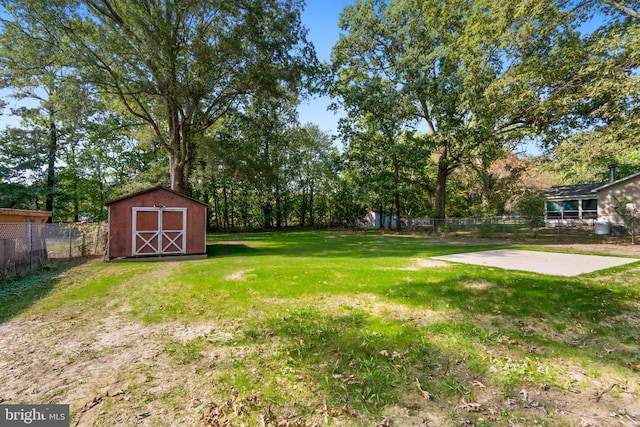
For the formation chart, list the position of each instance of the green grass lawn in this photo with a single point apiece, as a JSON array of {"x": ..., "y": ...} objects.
[{"x": 326, "y": 327}]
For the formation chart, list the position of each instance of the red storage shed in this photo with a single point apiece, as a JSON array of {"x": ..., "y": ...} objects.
[{"x": 157, "y": 222}]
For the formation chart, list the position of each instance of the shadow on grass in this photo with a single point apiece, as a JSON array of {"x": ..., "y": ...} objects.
[
  {"x": 342, "y": 245},
  {"x": 362, "y": 364},
  {"x": 19, "y": 293},
  {"x": 568, "y": 315},
  {"x": 221, "y": 250},
  {"x": 363, "y": 361}
]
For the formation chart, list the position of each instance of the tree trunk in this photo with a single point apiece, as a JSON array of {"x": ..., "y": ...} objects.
[
  {"x": 268, "y": 220},
  {"x": 76, "y": 204},
  {"x": 177, "y": 146},
  {"x": 226, "y": 207},
  {"x": 176, "y": 173},
  {"x": 216, "y": 207},
  {"x": 101, "y": 189},
  {"x": 205, "y": 196},
  {"x": 233, "y": 226},
  {"x": 278, "y": 210},
  {"x": 312, "y": 220},
  {"x": 51, "y": 164},
  {"x": 303, "y": 207},
  {"x": 285, "y": 210},
  {"x": 396, "y": 178},
  {"x": 441, "y": 182},
  {"x": 245, "y": 208}
]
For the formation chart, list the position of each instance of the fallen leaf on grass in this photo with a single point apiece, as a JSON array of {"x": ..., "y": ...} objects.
[
  {"x": 425, "y": 394},
  {"x": 89, "y": 405},
  {"x": 532, "y": 404},
  {"x": 469, "y": 406},
  {"x": 534, "y": 349},
  {"x": 510, "y": 401},
  {"x": 384, "y": 423},
  {"x": 213, "y": 416},
  {"x": 143, "y": 415}
]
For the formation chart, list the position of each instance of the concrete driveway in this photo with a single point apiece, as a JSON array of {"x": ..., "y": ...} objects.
[{"x": 557, "y": 264}]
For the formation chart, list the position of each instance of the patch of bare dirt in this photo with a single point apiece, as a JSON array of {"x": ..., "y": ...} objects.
[
  {"x": 421, "y": 263},
  {"x": 477, "y": 284},
  {"x": 114, "y": 371},
  {"x": 93, "y": 365},
  {"x": 238, "y": 276}
]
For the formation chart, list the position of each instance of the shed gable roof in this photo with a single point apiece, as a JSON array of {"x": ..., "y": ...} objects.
[{"x": 152, "y": 189}]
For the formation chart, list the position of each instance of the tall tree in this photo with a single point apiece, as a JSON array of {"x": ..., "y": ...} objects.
[
  {"x": 453, "y": 63},
  {"x": 602, "y": 85},
  {"x": 23, "y": 163},
  {"x": 180, "y": 66},
  {"x": 310, "y": 168},
  {"x": 33, "y": 67},
  {"x": 375, "y": 126}
]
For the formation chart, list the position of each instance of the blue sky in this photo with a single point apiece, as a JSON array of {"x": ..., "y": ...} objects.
[{"x": 321, "y": 19}]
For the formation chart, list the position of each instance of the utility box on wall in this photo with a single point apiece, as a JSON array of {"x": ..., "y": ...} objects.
[{"x": 157, "y": 222}]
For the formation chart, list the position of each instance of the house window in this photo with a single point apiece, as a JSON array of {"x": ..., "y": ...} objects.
[
  {"x": 570, "y": 209},
  {"x": 553, "y": 210},
  {"x": 590, "y": 209}
]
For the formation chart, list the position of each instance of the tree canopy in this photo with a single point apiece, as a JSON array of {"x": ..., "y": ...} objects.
[{"x": 201, "y": 96}]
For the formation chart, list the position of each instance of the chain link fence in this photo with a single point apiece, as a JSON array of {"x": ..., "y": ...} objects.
[
  {"x": 512, "y": 227},
  {"x": 496, "y": 227},
  {"x": 481, "y": 227},
  {"x": 24, "y": 246}
]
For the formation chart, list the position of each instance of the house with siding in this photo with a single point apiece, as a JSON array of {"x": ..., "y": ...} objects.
[{"x": 571, "y": 205}]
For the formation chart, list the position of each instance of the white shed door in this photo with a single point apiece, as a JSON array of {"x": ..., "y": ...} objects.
[{"x": 159, "y": 231}]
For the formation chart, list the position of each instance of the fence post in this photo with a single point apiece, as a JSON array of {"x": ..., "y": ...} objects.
[
  {"x": 30, "y": 247},
  {"x": 70, "y": 229}
]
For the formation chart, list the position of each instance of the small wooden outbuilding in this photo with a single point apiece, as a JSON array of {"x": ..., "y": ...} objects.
[
  {"x": 156, "y": 222},
  {"x": 22, "y": 240},
  {"x": 11, "y": 216}
]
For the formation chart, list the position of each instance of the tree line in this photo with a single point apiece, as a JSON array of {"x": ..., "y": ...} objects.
[{"x": 439, "y": 96}]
